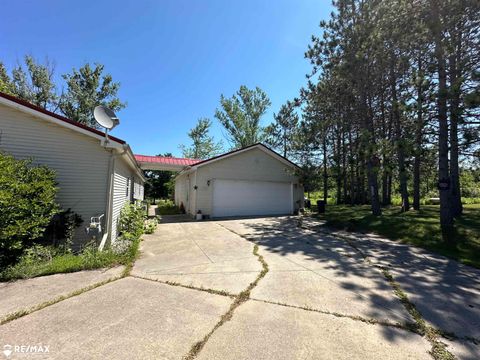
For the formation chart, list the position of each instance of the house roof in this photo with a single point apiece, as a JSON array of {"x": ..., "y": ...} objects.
[
  {"x": 58, "y": 117},
  {"x": 166, "y": 160}
]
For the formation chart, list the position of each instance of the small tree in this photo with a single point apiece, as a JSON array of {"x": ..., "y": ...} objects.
[
  {"x": 27, "y": 204},
  {"x": 241, "y": 114},
  {"x": 34, "y": 83},
  {"x": 203, "y": 145}
]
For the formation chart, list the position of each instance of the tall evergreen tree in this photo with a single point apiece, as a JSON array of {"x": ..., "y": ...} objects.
[{"x": 397, "y": 83}]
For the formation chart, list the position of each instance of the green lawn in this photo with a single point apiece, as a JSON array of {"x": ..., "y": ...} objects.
[
  {"x": 420, "y": 228},
  {"x": 66, "y": 263}
]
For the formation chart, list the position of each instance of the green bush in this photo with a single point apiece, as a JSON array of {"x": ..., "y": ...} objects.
[
  {"x": 131, "y": 222},
  {"x": 27, "y": 204},
  {"x": 61, "y": 230},
  {"x": 150, "y": 226}
]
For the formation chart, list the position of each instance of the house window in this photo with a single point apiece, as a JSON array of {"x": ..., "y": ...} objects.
[{"x": 128, "y": 187}]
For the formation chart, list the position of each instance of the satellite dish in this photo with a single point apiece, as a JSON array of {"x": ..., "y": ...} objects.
[{"x": 105, "y": 117}]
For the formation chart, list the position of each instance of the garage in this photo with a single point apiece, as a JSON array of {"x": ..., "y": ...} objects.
[
  {"x": 254, "y": 180},
  {"x": 247, "y": 198}
]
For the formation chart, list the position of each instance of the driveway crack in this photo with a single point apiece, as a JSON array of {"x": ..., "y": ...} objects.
[
  {"x": 204, "y": 253},
  {"x": 238, "y": 300},
  {"x": 438, "y": 348}
]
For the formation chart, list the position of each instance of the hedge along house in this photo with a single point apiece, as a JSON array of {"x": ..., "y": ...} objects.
[
  {"x": 95, "y": 177},
  {"x": 251, "y": 181}
]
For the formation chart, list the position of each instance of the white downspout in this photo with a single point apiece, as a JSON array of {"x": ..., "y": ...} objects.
[{"x": 109, "y": 207}]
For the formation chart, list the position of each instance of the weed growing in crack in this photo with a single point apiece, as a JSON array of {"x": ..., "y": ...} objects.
[
  {"x": 406, "y": 326},
  {"x": 238, "y": 300},
  {"x": 439, "y": 349},
  {"x": 191, "y": 287},
  {"x": 21, "y": 313}
]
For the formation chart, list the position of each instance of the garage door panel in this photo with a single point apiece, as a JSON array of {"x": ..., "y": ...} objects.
[{"x": 243, "y": 198}]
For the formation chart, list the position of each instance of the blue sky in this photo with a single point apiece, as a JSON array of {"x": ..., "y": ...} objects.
[{"x": 173, "y": 58}]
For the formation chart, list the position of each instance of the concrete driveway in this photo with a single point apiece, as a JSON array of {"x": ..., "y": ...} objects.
[{"x": 270, "y": 288}]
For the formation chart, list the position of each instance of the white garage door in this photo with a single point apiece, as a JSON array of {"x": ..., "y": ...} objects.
[{"x": 240, "y": 197}]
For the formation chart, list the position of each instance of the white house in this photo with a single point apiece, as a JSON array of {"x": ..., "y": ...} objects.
[
  {"x": 95, "y": 177},
  {"x": 251, "y": 181}
]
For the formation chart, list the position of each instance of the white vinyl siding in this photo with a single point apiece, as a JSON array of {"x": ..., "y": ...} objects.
[
  {"x": 122, "y": 187},
  {"x": 138, "y": 189},
  {"x": 81, "y": 164}
]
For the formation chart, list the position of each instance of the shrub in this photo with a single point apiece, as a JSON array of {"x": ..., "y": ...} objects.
[
  {"x": 168, "y": 207},
  {"x": 61, "y": 230},
  {"x": 27, "y": 204},
  {"x": 131, "y": 221},
  {"x": 150, "y": 226}
]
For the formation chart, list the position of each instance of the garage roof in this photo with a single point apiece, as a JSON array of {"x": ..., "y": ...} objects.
[
  {"x": 238, "y": 151},
  {"x": 148, "y": 162}
]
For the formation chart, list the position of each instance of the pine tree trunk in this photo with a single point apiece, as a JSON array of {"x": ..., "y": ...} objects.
[
  {"x": 418, "y": 139},
  {"x": 389, "y": 189},
  {"x": 372, "y": 164},
  {"x": 352, "y": 169},
  {"x": 385, "y": 166},
  {"x": 325, "y": 172},
  {"x": 402, "y": 171},
  {"x": 455, "y": 193},
  {"x": 338, "y": 175},
  {"x": 344, "y": 170},
  {"x": 446, "y": 218}
]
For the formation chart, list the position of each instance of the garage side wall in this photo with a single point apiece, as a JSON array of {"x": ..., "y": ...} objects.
[
  {"x": 80, "y": 163},
  {"x": 185, "y": 192},
  {"x": 253, "y": 165},
  {"x": 181, "y": 191}
]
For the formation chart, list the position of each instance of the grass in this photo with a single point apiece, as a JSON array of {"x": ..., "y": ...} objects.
[
  {"x": 167, "y": 207},
  {"x": 419, "y": 228},
  {"x": 67, "y": 263}
]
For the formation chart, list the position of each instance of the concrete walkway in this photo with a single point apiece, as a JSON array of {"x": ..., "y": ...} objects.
[{"x": 324, "y": 296}]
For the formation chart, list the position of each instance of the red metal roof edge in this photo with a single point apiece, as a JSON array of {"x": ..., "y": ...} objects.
[
  {"x": 59, "y": 117},
  {"x": 167, "y": 159},
  {"x": 194, "y": 162}
]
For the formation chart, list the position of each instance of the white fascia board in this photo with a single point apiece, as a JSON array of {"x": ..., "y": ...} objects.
[
  {"x": 187, "y": 170},
  {"x": 133, "y": 162}
]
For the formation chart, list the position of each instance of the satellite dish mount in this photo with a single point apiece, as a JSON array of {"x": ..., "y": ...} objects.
[{"x": 106, "y": 118}]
